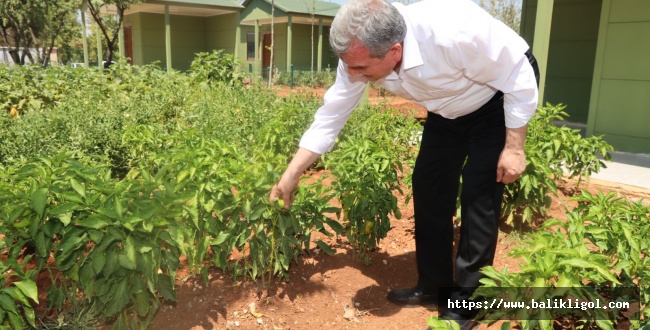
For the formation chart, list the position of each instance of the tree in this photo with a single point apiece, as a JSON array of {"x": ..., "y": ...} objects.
[
  {"x": 31, "y": 28},
  {"x": 311, "y": 14},
  {"x": 272, "y": 41},
  {"x": 109, "y": 25},
  {"x": 507, "y": 11}
]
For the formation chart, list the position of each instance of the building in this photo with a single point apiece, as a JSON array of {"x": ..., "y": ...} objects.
[
  {"x": 594, "y": 59},
  {"x": 173, "y": 32}
]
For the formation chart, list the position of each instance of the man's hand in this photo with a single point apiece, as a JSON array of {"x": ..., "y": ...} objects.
[
  {"x": 282, "y": 190},
  {"x": 512, "y": 164},
  {"x": 289, "y": 180},
  {"x": 512, "y": 161}
]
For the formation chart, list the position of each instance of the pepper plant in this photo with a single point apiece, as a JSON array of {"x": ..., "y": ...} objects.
[
  {"x": 366, "y": 177},
  {"x": 551, "y": 152}
]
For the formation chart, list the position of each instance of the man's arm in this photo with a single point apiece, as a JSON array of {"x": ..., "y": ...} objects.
[
  {"x": 289, "y": 180},
  {"x": 339, "y": 101},
  {"x": 512, "y": 161}
]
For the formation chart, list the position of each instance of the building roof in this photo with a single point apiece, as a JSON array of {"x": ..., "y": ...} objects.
[
  {"x": 307, "y": 7},
  {"x": 320, "y": 8},
  {"x": 198, "y": 3}
]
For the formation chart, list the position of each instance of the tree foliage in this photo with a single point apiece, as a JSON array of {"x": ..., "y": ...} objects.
[
  {"x": 31, "y": 28},
  {"x": 109, "y": 25},
  {"x": 507, "y": 11}
]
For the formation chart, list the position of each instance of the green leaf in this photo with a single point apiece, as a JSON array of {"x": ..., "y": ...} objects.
[
  {"x": 17, "y": 295},
  {"x": 28, "y": 288},
  {"x": 118, "y": 207},
  {"x": 335, "y": 225},
  {"x": 166, "y": 287},
  {"x": 127, "y": 258},
  {"x": 98, "y": 262},
  {"x": 257, "y": 213},
  {"x": 79, "y": 188},
  {"x": 545, "y": 319},
  {"x": 326, "y": 248},
  {"x": 63, "y": 208},
  {"x": 65, "y": 218},
  {"x": 39, "y": 201},
  {"x": 30, "y": 316},
  {"x": 119, "y": 298},
  {"x": 182, "y": 175},
  {"x": 435, "y": 323},
  {"x": 95, "y": 221},
  {"x": 222, "y": 237},
  {"x": 16, "y": 213},
  {"x": 604, "y": 324},
  {"x": 7, "y": 304},
  {"x": 16, "y": 321},
  {"x": 579, "y": 263},
  {"x": 142, "y": 302}
]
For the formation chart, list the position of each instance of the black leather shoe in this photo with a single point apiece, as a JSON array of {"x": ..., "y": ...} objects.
[
  {"x": 465, "y": 323},
  {"x": 413, "y": 296}
]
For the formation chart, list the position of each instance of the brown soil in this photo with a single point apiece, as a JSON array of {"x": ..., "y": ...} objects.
[{"x": 338, "y": 291}]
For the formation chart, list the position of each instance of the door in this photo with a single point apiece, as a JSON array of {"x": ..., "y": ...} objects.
[
  {"x": 266, "y": 54},
  {"x": 128, "y": 44}
]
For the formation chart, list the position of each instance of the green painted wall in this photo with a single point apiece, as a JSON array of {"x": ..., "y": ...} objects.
[
  {"x": 242, "y": 51},
  {"x": 189, "y": 36},
  {"x": 572, "y": 53},
  {"x": 620, "y": 101},
  {"x": 221, "y": 32},
  {"x": 301, "y": 39},
  {"x": 301, "y": 47}
]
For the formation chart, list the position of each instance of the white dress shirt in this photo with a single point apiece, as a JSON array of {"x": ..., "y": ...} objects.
[{"x": 455, "y": 58}]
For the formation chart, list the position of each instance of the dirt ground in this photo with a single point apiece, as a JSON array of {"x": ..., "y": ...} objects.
[{"x": 338, "y": 291}]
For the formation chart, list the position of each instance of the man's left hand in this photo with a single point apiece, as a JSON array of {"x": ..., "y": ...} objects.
[{"x": 512, "y": 164}]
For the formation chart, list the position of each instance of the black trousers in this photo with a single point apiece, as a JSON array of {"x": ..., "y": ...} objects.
[{"x": 467, "y": 147}]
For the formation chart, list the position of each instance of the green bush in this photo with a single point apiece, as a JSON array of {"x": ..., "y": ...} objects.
[
  {"x": 598, "y": 254},
  {"x": 313, "y": 79},
  {"x": 551, "y": 152},
  {"x": 216, "y": 67}
]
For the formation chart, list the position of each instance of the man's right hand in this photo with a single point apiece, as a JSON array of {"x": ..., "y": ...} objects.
[{"x": 282, "y": 189}]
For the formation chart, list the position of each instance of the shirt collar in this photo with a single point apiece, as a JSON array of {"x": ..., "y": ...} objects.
[{"x": 411, "y": 56}]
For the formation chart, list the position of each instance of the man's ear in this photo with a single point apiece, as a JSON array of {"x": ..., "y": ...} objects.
[{"x": 396, "y": 51}]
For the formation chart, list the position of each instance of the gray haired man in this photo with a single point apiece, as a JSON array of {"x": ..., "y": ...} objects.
[{"x": 478, "y": 80}]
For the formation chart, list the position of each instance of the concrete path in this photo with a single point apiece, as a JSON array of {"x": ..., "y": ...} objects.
[{"x": 627, "y": 169}]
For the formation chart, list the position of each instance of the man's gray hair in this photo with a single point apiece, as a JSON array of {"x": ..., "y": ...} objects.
[{"x": 375, "y": 24}]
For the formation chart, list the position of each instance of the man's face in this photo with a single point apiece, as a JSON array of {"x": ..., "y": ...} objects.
[{"x": 360, "y": 62}]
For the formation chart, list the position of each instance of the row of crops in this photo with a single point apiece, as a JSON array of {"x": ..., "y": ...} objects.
[{"x": 109, "y": 177}]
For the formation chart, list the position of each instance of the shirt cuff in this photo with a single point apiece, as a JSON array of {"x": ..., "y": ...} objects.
[
  {"x": 517, "y": 117},
  {"x": 315, "y": 142}
]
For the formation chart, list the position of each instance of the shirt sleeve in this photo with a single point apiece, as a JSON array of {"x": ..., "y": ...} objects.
[
  {"x": 494, "y": 55},
  {"x": 339, "y": 101}
]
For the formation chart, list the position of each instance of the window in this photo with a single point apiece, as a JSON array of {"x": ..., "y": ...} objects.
[{"x": 250, "y": 45}]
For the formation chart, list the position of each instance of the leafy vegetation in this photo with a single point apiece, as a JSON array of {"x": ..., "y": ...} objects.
[
  {"x": 551, "y": 151},
  {"x": 314, "y": 79},
  {"x": 597, "y": 255},
  {"x": 118, "y": 173}
]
